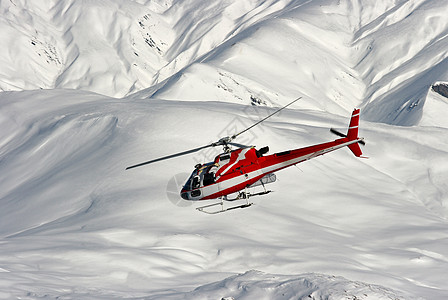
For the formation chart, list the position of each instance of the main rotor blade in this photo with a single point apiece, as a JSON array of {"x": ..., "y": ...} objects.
[
  {"x": 169, "y": 156},
  {"x": 235, "y": 135},
  {"x": 239, "y": 145},
  {"x": 221, "y": 142}
]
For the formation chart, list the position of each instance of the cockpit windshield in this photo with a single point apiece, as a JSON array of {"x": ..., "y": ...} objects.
[{"x": 201, "y": 176}]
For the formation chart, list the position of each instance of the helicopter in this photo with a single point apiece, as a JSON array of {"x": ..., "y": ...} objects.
[{"x": 236, "y": 171}]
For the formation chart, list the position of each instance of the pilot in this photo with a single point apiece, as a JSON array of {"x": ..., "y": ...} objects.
[{"x": 209, "y": 176}]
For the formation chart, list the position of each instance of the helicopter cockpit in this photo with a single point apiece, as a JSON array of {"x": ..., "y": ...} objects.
[{"x": 202, "y": 175}]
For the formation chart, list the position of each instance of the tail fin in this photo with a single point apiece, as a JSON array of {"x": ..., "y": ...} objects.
[{"x": 352, "y": 133}]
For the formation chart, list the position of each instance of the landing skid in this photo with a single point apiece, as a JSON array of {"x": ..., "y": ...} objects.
[
  {"x": 243, "y": 195},
  {"x": 205, "y": 209}
]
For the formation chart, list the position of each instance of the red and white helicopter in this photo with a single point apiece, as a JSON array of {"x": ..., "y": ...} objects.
[{"x": 234, "y": 171}]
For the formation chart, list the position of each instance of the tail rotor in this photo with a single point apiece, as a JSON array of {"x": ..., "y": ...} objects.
[{"x": 338, "y": 133}]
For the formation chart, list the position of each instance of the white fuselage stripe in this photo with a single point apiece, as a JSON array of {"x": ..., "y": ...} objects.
[
  {"x": 303, "y": 158},
  {"x": 226, "y": 184}
]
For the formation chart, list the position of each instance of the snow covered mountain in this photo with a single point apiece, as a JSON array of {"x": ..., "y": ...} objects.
[
  {"x": 90, "y": 87},
  {"x": 337, "y": 54}
]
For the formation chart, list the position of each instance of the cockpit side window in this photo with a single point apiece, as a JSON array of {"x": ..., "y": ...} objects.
[
  {"x": 209, "y": 174},
  {"x": 201, "y": 176},
  {"x": 196, "y": 182},
  {"x": 209, "y": 178}
]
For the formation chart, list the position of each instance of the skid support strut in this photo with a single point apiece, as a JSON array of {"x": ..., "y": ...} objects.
[{"x": 206, "y": 208}]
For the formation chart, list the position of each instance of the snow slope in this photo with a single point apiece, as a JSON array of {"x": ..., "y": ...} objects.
[{"x": 75, "y": 225}]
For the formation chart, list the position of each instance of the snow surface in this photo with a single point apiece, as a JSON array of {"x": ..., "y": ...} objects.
[{"x": 91, "y": 87}]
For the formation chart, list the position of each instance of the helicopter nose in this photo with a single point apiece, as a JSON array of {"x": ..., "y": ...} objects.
[{"x": 184, "y": 195}]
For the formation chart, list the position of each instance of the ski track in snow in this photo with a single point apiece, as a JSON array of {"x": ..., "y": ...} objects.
[{"x": 75, "y": 225}]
